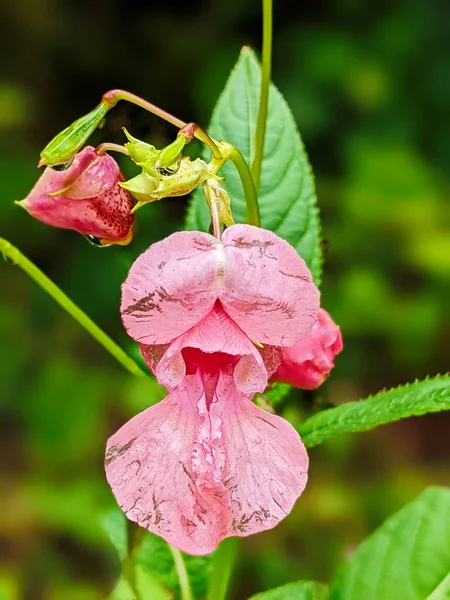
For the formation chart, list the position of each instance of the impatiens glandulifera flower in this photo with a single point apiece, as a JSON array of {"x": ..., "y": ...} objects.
[
  {"x": 211, "y": 316},
  {"x": 307, "y": 364},
  {"x": 86, "y": 197}
]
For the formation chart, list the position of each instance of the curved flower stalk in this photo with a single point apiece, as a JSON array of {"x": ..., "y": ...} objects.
[
  {"x": 86, "y": 198},
  {"x": 206, "y": 463},
  {"x": 308, "y": 363}
]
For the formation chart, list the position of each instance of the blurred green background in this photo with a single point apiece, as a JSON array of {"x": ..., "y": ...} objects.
[{"x": 369, "y": 84}]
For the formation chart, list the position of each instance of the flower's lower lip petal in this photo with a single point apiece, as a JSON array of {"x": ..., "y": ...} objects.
[
  {"x": 267, "y": 462},
  {"x": 269, "y": 290},
  {"x": 149, "y": 466},
  {"x": 196, "y": 472}
]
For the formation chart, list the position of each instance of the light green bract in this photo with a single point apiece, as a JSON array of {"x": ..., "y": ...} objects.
[
  {"x": 413, "y": 399},
  {"x": 66, "y": 144},
  {"x": 287, "y": 197}
]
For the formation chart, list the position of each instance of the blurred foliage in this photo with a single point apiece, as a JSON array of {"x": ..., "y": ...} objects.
[{"x": 369, "y": 85}]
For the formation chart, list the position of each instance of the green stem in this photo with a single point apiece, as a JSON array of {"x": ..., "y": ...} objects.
[
  {"x": 223, "y": 561},
  {"x": 109, "y": 147},
  {"x": 252, "y": 208},
  {"x": 264, "y": 91},
  {"x": 113, "y": 96},
  {"x": 201, "y": 135},
  {"x": 60, "y": 297},
  {"x": 183, "y": 578}
]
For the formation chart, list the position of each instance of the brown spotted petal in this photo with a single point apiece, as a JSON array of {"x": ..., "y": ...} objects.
[
  {"x": 86, "y": 198},
  {"x": 259, "y": 279},
  {"x": 206, "y": 463}
]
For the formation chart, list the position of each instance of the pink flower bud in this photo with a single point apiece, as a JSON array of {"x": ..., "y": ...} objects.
[
  {"x": 307, "y": 364},
  {"x": 86, "y": 198}
]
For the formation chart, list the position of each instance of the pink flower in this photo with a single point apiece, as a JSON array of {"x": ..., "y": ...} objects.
[
  {"x": 308, "y": 363},
  {"x": 206, "y": 463},
  {"x": 89, "y": 201}
]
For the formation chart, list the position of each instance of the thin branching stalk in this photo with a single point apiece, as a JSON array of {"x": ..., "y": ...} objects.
[
  {"x": 60, "y": 297},
  {"x": 264, "y": 92},
  {"x": 183, "y": 578}
]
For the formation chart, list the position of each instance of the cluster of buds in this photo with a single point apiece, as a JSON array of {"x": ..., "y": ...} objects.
[
  {"x": 217, "y": 317},
  {"x": 83, "y": 189}
]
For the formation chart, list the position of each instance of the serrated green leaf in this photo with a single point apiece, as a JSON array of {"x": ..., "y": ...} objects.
[
  {"x": 155, "y": 558},
  {"x": 413, "y": 399},
  {"x": 287, "y": 196},
  {"x": 300, "y": 590},
  {"x": 407, "y": 558}
]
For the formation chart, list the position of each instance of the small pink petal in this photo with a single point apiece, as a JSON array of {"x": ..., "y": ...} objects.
[
  {"x": 216, "y": 333},
  {"x": 91, "y": 202},
  {"x": 269, "y": 290},
  {"x": 98, "y": 178},
  {"x": 171, "y": 287},
  {"x": 307, "y": 364},
  {"x": 199, "y": 467}
]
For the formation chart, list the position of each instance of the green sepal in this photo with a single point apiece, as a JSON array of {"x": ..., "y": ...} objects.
[
  {"x": 190, "y": 175},
  {"x": 140, "y": 152},
  {"x": 66, "y": 144},
  {"x": 148, "y": 188},
  {"x": 171, "y": 154},
  {"x": 141, "y": 187},
  {"x": 214, "y": 192}
]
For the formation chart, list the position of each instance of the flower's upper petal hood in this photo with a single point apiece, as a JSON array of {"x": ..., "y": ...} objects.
[
  {"x": 171, "y": 287},
  {"x": 269, "y": 290},
  {"x": 196, "y": 469},
  {"x": 260, "y": 280}
]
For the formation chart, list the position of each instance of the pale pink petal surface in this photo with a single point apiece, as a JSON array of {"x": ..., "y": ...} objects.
[
  {"x": 100, "y": 176},
  {"x": 260, "y": 280},
  {"x": 201, "y": 466},
  {"x": 269, "y": 291},
  {"x": 171, "y": 287},
  {"x": 309, "y": 362},
  {"x": 216, "y": 333}
]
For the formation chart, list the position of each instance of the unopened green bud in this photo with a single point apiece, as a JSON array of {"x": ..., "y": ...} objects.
[
  {"x": 139, "y": 151},
  {"x": 141, "y": 187},
  {"x": 214, "y": 192},
  {"x": 171, "y": 154},
  {"x": 190, "y": 175},
  {"x": 147, "y": 188},
  {"x": 66, "y": 144}
]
